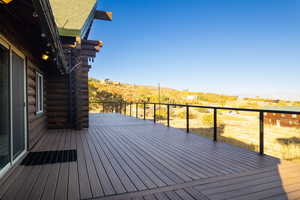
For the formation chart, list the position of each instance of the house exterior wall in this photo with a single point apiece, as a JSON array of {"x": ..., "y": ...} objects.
[
  {"x": 82, "y": 95},
  {"x": 37, "y": 123},
  {"x": 284, "y": 120},
  {"x": 58, "y": 105}
]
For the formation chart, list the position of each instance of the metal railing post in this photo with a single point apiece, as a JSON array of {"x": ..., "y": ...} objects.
[
  {"x": 137, "y": 110},
  {"x": 261, "y": 133},
  {"x": 168, "y": 115},
  {"x": 130, "y": 109},
  {"x": 187, "y": 119},
  {"x": 215, "y": 124},
  {"x": 144, "y": 111},
  {"x": 154, "y": 113}
]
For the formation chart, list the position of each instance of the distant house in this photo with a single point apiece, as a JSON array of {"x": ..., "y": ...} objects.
[
  {"x": 283, "y": 120},
  {"x": 191, "y": 97},
  {"x": 44, "y": 64},
  {"x": 107, "y": 81}
]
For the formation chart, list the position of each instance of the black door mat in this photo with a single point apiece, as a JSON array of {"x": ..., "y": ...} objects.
[{"x": 50, "y": 157}]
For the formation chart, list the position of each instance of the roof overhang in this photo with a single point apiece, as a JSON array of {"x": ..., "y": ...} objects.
[
  {"x": 103, "y": 15},
  {"x": 47, "y": 22},
  {"x": 72, "y": 25},
  {"x": 30, "y": 25}
]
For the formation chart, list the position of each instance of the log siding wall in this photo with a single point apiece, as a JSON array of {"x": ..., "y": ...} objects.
[
  {"x": 37, "y": 123},
  {"x": 82, "y": 97},
  {"x": 58, "y": 101}
]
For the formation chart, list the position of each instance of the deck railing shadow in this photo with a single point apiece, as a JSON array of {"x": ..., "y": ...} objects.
[{"x": 142, "y": 110}]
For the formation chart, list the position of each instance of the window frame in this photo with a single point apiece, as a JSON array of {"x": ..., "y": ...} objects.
[{"x": 39, "y": 93}]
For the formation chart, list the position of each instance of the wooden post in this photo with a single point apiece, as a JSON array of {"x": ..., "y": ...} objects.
[
  {"x": 154, "y": 113},
  {"x": 261, "y": 133},
  {"x": 137, "y": 110},
  {"x": 187, "y": 119},
  {"x": 215, "y": 124},
  {"x": 168, "y": 115},
  {"x": 144, "y": 111}
]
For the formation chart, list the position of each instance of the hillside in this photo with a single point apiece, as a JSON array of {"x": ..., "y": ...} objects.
[{"x": 107, "y": 90}]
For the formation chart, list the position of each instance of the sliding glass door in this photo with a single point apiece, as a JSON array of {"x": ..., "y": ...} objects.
[
  {"x": 18, "y": 104},
  {"x": 12, "y": 105},
  {"x": 4, "y": 106}
]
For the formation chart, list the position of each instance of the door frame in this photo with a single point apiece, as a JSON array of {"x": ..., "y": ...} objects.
[
  {"x": 12, "y": 49},
  {"x": 6, "y": 168}
]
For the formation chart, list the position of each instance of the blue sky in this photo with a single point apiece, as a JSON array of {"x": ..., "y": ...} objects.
[{"x": 222, "y": 46}]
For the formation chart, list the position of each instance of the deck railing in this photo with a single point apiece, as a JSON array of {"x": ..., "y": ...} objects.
[{"x": 121, "y": 107}]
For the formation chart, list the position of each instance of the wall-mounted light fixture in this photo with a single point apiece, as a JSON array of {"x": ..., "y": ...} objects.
[
  {"x": 45, "y": 57},
  {"x": 34, "y": 14},
  {"x": 5, "y": 1}
]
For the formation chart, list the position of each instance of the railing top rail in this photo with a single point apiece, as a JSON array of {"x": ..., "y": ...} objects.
[{"x": 211, "y": 107}]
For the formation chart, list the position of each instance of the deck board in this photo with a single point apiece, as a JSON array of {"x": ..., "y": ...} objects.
[
  {"x": 94, "y": 179},
  {"x": 121, "y": 157},
  {"x": 134, "y": 172},
  {"x": 73, "y": 187}
]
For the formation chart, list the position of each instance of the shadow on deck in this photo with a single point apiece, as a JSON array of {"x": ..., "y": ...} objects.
[{"x": 121, "y": 157}]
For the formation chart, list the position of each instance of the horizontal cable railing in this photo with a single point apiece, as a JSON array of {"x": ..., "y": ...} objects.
[{"x": 133, "y": 109}]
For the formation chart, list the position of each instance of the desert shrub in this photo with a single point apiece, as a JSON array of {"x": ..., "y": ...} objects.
[
  {"x": 193, "y": 114},
  {"x": 161, "y": 114},
  {"x": 208, "y": 120},
  {"x": 181, "y": 113},
  {"x": 94, "y": 107}
]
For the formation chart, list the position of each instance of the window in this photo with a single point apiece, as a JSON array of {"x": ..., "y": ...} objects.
[{"x": 39, "y": 93}]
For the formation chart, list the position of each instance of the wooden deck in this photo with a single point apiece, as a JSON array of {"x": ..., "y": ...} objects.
[{"x": 121, "y": 157}]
